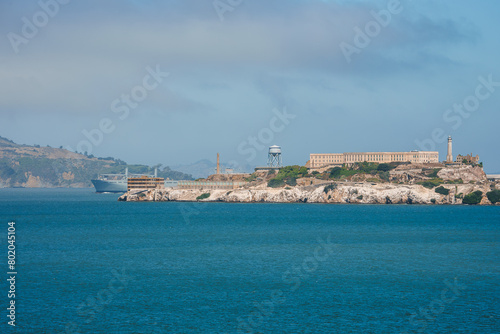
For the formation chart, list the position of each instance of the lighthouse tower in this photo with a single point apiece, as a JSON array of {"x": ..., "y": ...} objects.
[{"x": 449, "y": 156}]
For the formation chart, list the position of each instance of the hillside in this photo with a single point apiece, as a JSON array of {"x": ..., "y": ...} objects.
[{"x": 35, "y": 166}]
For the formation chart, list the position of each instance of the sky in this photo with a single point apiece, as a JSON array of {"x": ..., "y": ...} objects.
[{"x": 174, "y": 82}]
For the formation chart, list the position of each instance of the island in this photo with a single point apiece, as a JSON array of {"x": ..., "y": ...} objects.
[{"x": 360, "y": 183}]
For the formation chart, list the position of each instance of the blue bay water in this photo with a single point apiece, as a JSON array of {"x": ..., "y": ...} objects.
[{"x": 89, "y": 264}]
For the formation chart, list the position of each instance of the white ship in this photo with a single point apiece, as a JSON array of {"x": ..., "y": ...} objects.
[{"x": 117, "y": 183}]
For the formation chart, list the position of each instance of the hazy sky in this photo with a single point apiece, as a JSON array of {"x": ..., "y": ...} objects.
[{"x": 174, "y": 82}]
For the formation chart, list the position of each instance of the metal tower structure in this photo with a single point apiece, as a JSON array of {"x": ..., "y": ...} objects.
[{"x": 274, "y": 157}]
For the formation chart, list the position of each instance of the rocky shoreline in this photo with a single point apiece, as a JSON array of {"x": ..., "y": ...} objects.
[
  {"x": 335, "y": 193},
  {"x": 406, "y": 184}
]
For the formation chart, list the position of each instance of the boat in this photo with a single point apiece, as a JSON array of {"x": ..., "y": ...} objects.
[
  {"x": 117, "y": 183},
  {"x": 111, "y": 183}
]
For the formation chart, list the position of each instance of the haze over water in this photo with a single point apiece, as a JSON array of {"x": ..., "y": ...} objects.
[{"x": 90, "y": 263}]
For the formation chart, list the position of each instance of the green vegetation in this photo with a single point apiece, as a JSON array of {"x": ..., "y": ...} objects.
[
  {"x": 459, "y": 195},
  {"x": 203, "y": 196},
  {"x": 434, "y": 173},
  {"x": 287, "y": 175},
  {"x": 433, "y": 200},
  {"x": 338, "y": 172},
  {"x": 329, "y": 187},
  {"x": 473, "y": 198},
  {"x": 384, "y": 176},
  {"x": 275, "y": 183},
  {"x": 362, "y": 168},
  {"x": 251, "y": 178},
  {"x": 457, "y": 181},
  {"x": 385, "y": 167},
  {"x": 431, "y": 183},
  {"x": 442, "y": 190},
  {"x": 493, "y": 196},
  {"x": 360, "y": 197},
  {"x": 372, "y": 179}
]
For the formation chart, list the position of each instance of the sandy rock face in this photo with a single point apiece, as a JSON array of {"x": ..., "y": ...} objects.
[
  {"x": 465, "y": 172},
  {"x": 366, "y": 193}
]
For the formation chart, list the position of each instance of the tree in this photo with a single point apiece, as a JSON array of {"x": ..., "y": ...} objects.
[
  {"x": 493, "y": 196},
  {"x": 384, "y": 167},
  {"x": 442, "y": 190},
  {"x": 203, "y": 196},
  {"x": 335, "y": 172},
  {"x": 275, "y": 183},
  {"x": 473, "y": 198}
]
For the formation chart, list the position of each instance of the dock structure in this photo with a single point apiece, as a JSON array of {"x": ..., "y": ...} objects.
[
  {"x": 493, "y": 177},
  {"x": 213, "y": 185},
  {"x": 145, "y": 182}
]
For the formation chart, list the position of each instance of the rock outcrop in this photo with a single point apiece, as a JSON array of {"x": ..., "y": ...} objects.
[{"x": 362, "y": 193}]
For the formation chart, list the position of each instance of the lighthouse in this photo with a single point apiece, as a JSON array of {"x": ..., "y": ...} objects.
[{"x": 449, "y": 155}]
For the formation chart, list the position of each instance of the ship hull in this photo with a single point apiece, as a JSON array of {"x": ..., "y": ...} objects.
[{"x": 115, "y": 186}]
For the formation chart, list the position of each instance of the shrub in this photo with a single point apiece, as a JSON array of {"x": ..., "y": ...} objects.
[
  {"x": 384, "y": 167},
  {"x": 431, "y": 183},
  {"x": 335, "y": 172},
  {"x": 434, "y": 172},
  {"x": 276, "y": 183},
  {"x": 315, "y": 172},
  {"x": 384, "y": 176},
  {"x": 433, "y": 200},
  {"x": 442, "y": 190},
  {"x": 368, "y": 167},
  {"x": 459, "y": 195},
  {"x": 291, "y": 181},
  {"x": 494, "y": 196},
  {"x": 329, "y": 187},
  {"x": 203, "y": 196},
  {"x": 360, "y": 197},
  {"x": 473, "y": 198},
  {"x": 457, "y": 181},
  {"x": 251, "y": 178}
]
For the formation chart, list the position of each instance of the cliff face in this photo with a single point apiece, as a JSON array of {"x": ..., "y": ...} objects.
[
  {"x": 413, "y": 173},
  {"x": 366, "y": 193},
  {"x": 467, "y": 173}
]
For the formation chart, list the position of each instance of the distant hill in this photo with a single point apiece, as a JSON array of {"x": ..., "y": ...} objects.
[{"x": 35, "y": 166}]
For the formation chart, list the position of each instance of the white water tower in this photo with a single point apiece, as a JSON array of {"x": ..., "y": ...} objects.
[{"x": 274, "y": 157}]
